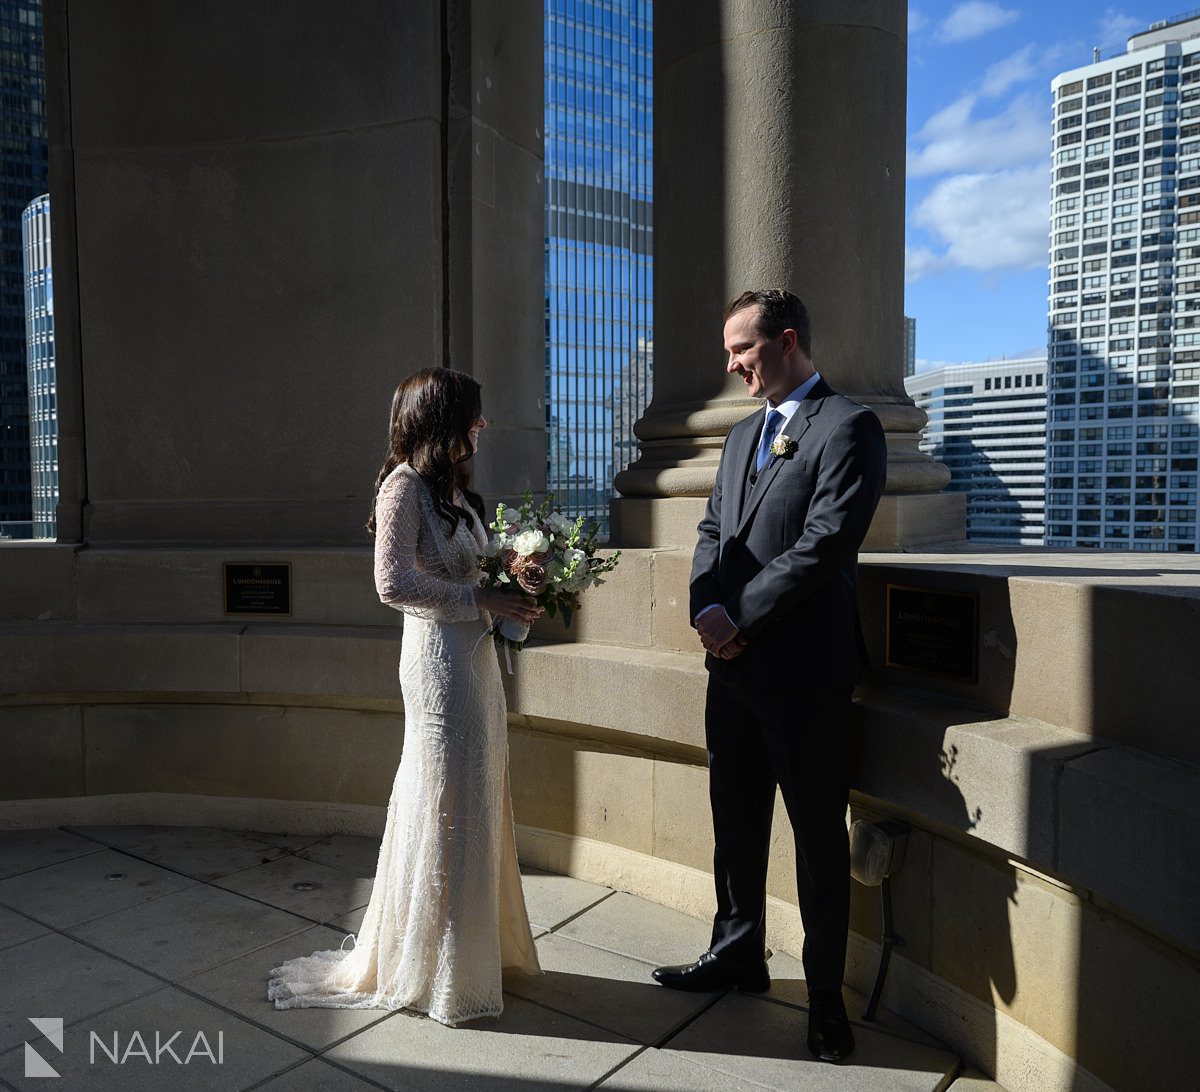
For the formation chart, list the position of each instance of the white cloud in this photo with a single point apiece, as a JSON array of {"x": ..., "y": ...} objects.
[
  {"x": 993, "y": 221},
  {"x": 1014, "y": 69},
  {"x": 920, "y": 261},
  {"x": 1114, "y": 27},
  {"x": 917, "y": 21},
  {"x": 973, "y": 19},
  {"x": 954, "y": 139}
]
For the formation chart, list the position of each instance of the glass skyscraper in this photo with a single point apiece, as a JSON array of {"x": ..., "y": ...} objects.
[
  {"x": 599, "y": 244},
  {"x": 23, "y": 132},
  {"x": 39, "y": 355},
  {"x": 1124, "y": 352},
  {"x": 987, "y": 424}
]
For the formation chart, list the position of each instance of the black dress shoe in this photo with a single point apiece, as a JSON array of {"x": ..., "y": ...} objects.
[
  {"x": 829, "y": 1035},
  {"x": 710, "y": 972}
]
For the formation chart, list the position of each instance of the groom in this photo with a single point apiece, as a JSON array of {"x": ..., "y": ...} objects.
[{"x": 773, "y": 599}]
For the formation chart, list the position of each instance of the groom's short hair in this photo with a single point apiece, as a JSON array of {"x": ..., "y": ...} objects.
[{"x": 778, "y": 310}]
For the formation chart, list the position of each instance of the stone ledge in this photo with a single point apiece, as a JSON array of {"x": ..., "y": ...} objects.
[
  {"x": 1071, "y": 638},
  {"x": 1054, "y": 798},
  {"x": 358, "y": 662},
  {"x": 1110, "y": 819}
]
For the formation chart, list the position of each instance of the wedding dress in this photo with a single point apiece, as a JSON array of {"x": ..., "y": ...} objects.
[{"x": 447, "y": 910}]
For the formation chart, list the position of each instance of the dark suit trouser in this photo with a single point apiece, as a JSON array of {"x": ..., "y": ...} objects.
[{"x": 797, "y": 739}]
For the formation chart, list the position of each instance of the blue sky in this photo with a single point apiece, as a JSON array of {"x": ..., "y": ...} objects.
[{"x": 978, "y": 197}]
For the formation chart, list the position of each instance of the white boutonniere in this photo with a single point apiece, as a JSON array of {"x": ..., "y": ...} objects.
[{"x": 783, "y": 447}]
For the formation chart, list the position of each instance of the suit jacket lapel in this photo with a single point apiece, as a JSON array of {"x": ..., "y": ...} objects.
[
  {"x": 795, "y": 429},
  {"x": 740, "y": 455}
]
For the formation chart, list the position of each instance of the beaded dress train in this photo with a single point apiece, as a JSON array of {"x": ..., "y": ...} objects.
[{"x": 446, "y": 911}]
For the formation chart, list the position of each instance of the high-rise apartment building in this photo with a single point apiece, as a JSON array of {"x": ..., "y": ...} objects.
[
  {"x": 39, "y": 356},
  {"x": 23, "y": 133},
  {"x": 987, "y": 423},
  {"x": 910, "y": 345},
  {"x": 1124, "y": 301},
  {"x": 599, "y": 250}
]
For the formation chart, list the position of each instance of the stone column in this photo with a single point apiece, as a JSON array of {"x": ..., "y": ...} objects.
[
  {"x": 496, "y": 242},
  {"x": 779, "y": 151},
  {"x": 268, "y": 215}
]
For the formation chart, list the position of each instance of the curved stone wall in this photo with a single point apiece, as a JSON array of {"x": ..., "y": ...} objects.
[{"x": 1047, "y": 879}]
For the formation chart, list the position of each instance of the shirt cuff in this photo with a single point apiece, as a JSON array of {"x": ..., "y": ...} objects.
[{"x": 704, "y": 611}]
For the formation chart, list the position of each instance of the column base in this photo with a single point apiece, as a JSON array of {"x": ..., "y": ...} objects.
[
  {"x": 910, "y": 521},
  {"x": 903, "y": 521}
]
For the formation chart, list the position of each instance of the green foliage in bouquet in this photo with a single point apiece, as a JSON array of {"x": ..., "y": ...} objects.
[{"x": 539, "y": 552}]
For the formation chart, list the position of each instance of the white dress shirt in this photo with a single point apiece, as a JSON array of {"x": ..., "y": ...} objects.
[{"x": 788, "y": 408}]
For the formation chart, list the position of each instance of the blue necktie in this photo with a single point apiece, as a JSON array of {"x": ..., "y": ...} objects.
[{"x": 768, "y": 437}]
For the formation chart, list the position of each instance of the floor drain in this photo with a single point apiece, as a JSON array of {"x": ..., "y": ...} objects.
[
  {"x": 115, "y": 876},
  {"x": 305, "y": 885}
]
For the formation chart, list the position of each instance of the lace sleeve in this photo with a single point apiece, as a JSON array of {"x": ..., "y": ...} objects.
[{"x": 399, "y": 580}]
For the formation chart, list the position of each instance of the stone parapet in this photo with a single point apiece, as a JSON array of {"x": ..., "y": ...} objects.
[
  {"x": 1038, "y": 792},
  {"x": 1047, "y": 877}
]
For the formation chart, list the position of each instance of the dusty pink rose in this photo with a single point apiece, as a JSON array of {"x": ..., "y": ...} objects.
[{"x": 529, "y": 572}]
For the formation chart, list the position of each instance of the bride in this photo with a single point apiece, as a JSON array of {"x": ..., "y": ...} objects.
[{"x": 447, "y": 911}]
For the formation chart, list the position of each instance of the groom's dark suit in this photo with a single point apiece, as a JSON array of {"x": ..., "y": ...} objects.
[{"x": 779, "y": 552}]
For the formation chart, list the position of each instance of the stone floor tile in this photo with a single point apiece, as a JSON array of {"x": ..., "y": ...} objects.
[
  {"x": 528, "y": 1047},
  {"x": 241, "y": 985},
  {"x": 21, "y": 850},
  {"x": 788, "y": 987},
  {"x": 335, "y": 892},
  {"x": 552, "y": 899},
  {"x": 54, "y": 975},
  {"x": 644, "y": 930},
  {"x": 289, "y": 843},
  {"x": 351, "y": 921},
  {"x": 787, "y": 980},
  {"x": 601, "y": 987},
  {"x": 665, "y": 1071},
  {"x": 358, "y": 856},
  {"x": 88, "y": 887},
  {"x": 755, "y": 1040},
  {"x": 316, "y": 1076},
  {"x": 971, "y": 1080},
  {"x": 247, "y": 1055},
  {"x": 189, "y": 931},
  {"x": 17, "y": 928},
  {"x": 201, "y": 852}
]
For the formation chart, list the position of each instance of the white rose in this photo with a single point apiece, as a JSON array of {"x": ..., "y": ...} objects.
[
  {"x": 492, "y": 548},
  {"x": 570, "y": 557},
  {"x": 511, "y": 515},
  {"x": 530, "y": 542},
  {"x": 559, "y": 523}
]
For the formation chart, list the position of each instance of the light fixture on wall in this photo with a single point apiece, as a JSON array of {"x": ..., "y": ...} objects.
[{"x": 876, "y": 853}]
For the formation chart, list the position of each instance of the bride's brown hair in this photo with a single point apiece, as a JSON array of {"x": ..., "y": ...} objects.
[{"x": 431, "y": 412}]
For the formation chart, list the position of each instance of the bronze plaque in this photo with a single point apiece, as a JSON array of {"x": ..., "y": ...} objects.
[
  {"x": 934, "y": 631},
  {"x": 258, "y": 589}
]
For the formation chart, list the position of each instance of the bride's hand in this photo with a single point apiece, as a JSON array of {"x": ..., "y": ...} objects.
[{"x": 505, "y": 604}]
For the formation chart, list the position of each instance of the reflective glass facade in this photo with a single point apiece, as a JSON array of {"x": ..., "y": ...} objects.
[
  {"x": 23, "y": 133},
  {"x": 39, "y": 356},
  {"x": 1124, "y": 301},
  {"x": 987, "y": 424},
  {"x": 599, "y": 236}
]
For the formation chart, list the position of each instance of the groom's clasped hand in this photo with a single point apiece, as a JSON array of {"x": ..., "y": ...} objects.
[{"x": 719, "y": 635}]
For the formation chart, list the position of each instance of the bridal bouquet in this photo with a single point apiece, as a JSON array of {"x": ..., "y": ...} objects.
[{"x": 544, "y": 554}]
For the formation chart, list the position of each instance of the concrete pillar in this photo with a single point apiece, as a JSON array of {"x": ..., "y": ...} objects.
[
  {"x": 496, "y": 243},
  {"x": 779, "y": 152},
  {"x": 273, "y": 213}
]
